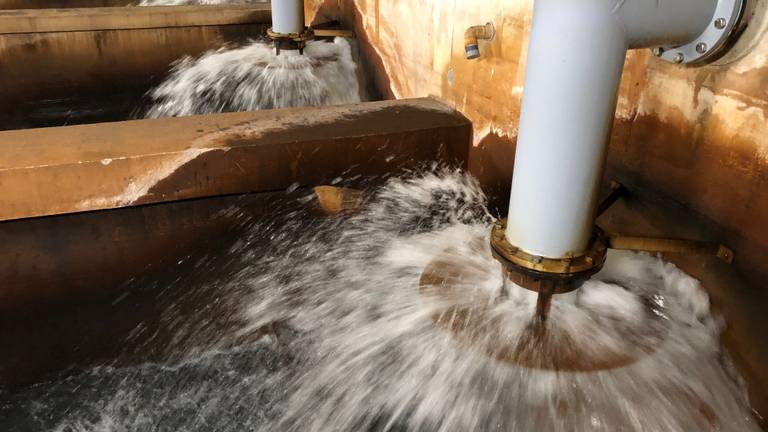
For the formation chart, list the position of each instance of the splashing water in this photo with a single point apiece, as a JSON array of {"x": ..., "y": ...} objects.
[
  {"x": 359, "y": 349},
  {"x": 253, "y": 77}
]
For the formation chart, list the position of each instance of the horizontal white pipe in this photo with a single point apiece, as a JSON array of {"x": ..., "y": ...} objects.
[
  {"x": 287, "y": 16},
  {"x": 650, "y": 23},
  {"x": 575, "y": 60}
]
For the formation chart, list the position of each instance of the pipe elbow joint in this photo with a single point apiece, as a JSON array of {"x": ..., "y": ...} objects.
[{"x": 472, "y": 37}]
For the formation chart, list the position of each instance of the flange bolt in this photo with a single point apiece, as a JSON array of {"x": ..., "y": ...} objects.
[{"x": 720, "y": 23}]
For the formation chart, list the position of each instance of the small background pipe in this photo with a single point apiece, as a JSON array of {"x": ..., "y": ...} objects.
[
  {"x": 472, "y": 37},
  {"x": 661, "y": 245}
]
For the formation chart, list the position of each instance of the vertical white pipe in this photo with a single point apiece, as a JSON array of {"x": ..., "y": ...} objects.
[
  {"x": 288, "y": 16},
  {"x": 575, "y": 60}
]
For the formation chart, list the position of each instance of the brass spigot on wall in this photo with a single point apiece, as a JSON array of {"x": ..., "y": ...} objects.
[{"x": 472, "y": 37}]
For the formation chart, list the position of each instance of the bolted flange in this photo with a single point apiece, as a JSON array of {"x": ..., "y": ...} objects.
[
  {"x": 558, "y": 275},
  {"x": 713, "y": 41},
  {"x": 291, "y": 41}
]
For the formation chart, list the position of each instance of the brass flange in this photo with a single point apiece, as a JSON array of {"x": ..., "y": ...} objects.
[
  {"x": 532, "y": 271},
  {"x": 291, "y": 40},
  {"x": 304, "y": 36}
]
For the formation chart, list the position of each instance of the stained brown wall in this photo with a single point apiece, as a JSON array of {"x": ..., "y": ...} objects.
[
  {"x": 70, "y": 77},
  {"x": 86, "y": 209},
  {"x": 43, "y": 4},
  {"x": 52, "y": 171}
]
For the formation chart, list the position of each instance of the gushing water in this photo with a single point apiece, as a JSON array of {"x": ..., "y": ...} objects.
[
  {"x": 254, "y": 77},
  {"x": 357, "y": 347}
]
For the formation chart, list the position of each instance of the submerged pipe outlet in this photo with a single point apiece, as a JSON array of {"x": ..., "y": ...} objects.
[
  {"x": 549, "y": 242},
  {"x": 575, "y": 61},
  {"x": 288, "y": 31}
]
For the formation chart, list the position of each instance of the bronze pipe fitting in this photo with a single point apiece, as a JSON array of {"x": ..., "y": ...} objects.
[{"x": 472, "y": 37}]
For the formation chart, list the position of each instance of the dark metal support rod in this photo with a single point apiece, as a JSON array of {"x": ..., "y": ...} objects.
[
  {"x": 648, "y": 244},
  {"x": 617, "y": 192}
]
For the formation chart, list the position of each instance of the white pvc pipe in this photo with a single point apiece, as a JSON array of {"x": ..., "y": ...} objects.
[
  {"x": 575, "y": 60},
  {"x": 650, "y": 23},
  {"x": 288, "y": 16}
]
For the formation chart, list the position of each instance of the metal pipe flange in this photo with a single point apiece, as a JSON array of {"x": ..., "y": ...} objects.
[
  {"x": 307, "y": 34},
  {"x": 531, "y": 271},
  {"x": 713, "y": 41}
]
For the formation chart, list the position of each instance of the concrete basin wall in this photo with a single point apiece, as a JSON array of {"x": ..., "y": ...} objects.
[
  {"x": 60, "y": 4},
  {"x": 88, "y": 208},
  {"x": 70, "y": 67},
  {"x": 51, "y": 4}
]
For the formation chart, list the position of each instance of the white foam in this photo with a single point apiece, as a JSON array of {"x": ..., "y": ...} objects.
[
  {"x": 612, "y": 301},
  {"x": 253, "y": 77},
  {"x": 370, "y": 357},
  {"x": 378, "y": 360}
]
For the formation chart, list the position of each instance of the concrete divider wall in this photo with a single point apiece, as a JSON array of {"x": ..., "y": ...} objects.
[
  {"x": 73, "y": 169},
  {"x": 63, "y": 264},
  {"x": 46, "y": 4}
]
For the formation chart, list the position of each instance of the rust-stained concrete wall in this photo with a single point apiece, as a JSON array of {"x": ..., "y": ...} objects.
[
  {"x": 63, "y": 264},
  {"x": 70, "y": 77},
  {"x": 52, "y": 171},
  {"x": 44, "y": 4},
  {"x": 53, "y": 79}
]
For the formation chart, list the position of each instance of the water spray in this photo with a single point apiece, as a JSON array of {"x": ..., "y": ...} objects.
[{"x": 549, "y": 243}]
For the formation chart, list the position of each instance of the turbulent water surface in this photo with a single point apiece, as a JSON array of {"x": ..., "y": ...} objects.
[
  {"x": 254, "y": 77},
  {"x": 353, "y": 345}
]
